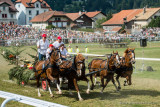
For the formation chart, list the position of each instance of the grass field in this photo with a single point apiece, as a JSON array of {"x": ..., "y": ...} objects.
[{"x": 145, "y": 90}]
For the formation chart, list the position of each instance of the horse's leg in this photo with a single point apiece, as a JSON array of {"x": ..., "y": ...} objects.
[
  {"x": 38, "y": 85},
  {"x": 49, "y": 72},
  {"x": 107, "y": 81},
  {"x": 77, "y": 89},
  {"x": 59, "y": 89},
  {"x": 49, "y": 88},
  {"x": 91, "y": 78},
  {"x": 60, "y": 80},
  {"x": 70, "y": 85},
  {"x": 119, "y": 85},
  {"x": 129, "y": 82},
  {"x": 113, "y": 81},
  {"x": 125, "y": 82},
  {"x": 88, "y": 90},
  {"x": 95, "y": 79}
]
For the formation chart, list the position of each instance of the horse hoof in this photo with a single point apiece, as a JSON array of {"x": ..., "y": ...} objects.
[
  {"x": 81, "y": 99},
  {"x": 59, "y": 92},
  {"x": 119, "y": 88},
  {"x": 39, "y": 95},
  {"x": 87, "y": 91},
  {"x": 51, "y": 95}
]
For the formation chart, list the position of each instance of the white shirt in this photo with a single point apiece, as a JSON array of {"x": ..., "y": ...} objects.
[
  {"x": 42, "y": 46},
  {"x": 64, "y": 52},
  {"x": 56, "y": 44},
  {"x": 48, "y": 53}
]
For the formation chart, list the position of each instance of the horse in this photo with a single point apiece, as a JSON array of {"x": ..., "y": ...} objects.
[
  {"x": 79, "y": 61},
  {"x": 105, "y": 69},
  {"x": 73, "y": 71},
  {"x": 44, "y": 69},
  {"x": 126, "y": 69}
]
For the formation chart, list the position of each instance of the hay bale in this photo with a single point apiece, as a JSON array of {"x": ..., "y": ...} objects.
[{"x": 149, "y": 68}]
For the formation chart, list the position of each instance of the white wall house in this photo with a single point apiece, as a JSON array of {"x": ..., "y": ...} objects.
[
  {"x": 28, "y": 10},
  {"x": 7, "y": 12},
  {"x": 143, "y": 19}
]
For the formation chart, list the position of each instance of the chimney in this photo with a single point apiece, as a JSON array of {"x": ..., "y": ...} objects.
[
  {"x": 80, "y": 13},
  {"x": 125, "y": 19},
  {"x": 144, "y": 10}
]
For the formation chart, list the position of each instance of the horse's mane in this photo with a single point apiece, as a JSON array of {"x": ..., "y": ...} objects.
[{"x": 126, "y": 51}]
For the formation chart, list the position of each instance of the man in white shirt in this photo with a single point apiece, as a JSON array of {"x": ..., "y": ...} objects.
[
  {"x": 58, "y": 43},
  {"x": 42, "y": 46}
]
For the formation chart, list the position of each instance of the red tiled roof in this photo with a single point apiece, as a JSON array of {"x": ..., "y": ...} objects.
[
  {"x": 43, "y": 17},
  {"x": 117, "y": 19},
  {"x": 92, "y": 14},
  {"x": 11, "y": 7},
  {"x": 73, "y": 16},
  {"x": 26, "y": 2}
]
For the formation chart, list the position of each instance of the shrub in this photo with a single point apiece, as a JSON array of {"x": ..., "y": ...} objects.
[{"x": 50, "y": 27}]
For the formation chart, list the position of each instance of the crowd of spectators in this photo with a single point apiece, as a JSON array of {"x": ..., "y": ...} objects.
[{"x": 10, "y": 33}]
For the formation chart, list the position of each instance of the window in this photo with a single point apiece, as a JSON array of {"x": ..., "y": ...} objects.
[
  {"x": 4, "y": 8},
  {"x": 37, "y": 13},
  {"x": 57, "y": 19},
  {"x": 4, "y": 15},
  {"x": 30, "y": 18},
  {"x": 11, "y": 15},
  {"x": 37, "y": 5},
  {"x": 30, "y": 12}
]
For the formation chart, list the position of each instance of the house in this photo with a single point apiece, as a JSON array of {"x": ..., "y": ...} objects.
[
  {"x": 145, "y": 17},
  {"x": 56, "y": 18},
  {"x": 29, "y": 9},
  {"x": 79, "y": 20},
  {"x": 123, "y": 17},
  {"x": 132, "y": 19},
  {"x": 7, "y": 12},
  {"x": 95, "y": 16},
  {"x": 62, "y": 20}
]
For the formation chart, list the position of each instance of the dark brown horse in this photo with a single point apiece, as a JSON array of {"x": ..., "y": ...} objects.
[
  {"x": 73, "y": 71},
  {"x": 44, "y": 70},
  {"x": 126, "y": 68},
  {"x": 106, "y": 69}
]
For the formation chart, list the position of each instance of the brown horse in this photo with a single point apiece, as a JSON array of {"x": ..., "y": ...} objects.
[
  {"x": 79, "y": 61},
  {"x": 126, "y": 68},
  {"x": 106, "y": 69},
  {"x": 44, "y": 70},
  {"x": 73, "y": 72}
]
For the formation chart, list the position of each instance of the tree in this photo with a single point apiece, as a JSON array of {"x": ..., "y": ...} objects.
[{"x": 99, "y": 22}]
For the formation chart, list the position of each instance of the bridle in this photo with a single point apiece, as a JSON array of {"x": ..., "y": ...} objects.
[
  {"x": 56, "y": 53},
  {"x": 117, "y": 58},
  {"x": 133, "y": 55}
]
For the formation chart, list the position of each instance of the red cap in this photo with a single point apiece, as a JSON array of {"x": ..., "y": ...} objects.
[
  {"x": 50, "y": 45},
  {"x": 59, "y": 37},
  {"x": 44, "y": 35}
]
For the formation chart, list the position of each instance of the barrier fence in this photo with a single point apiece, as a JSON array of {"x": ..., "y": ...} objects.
[{"x": 100, "y": 40}]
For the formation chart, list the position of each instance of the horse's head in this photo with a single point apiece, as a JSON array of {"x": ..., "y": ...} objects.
[
  {"x": 131, "y": 55},
  {"x": 116, "y": 58},
  {"x": 56, "y": 57},
  {"x": 79, "y": 64}
]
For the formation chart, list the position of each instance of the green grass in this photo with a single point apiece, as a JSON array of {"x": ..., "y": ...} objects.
[{"x": 145, "y": 90}]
